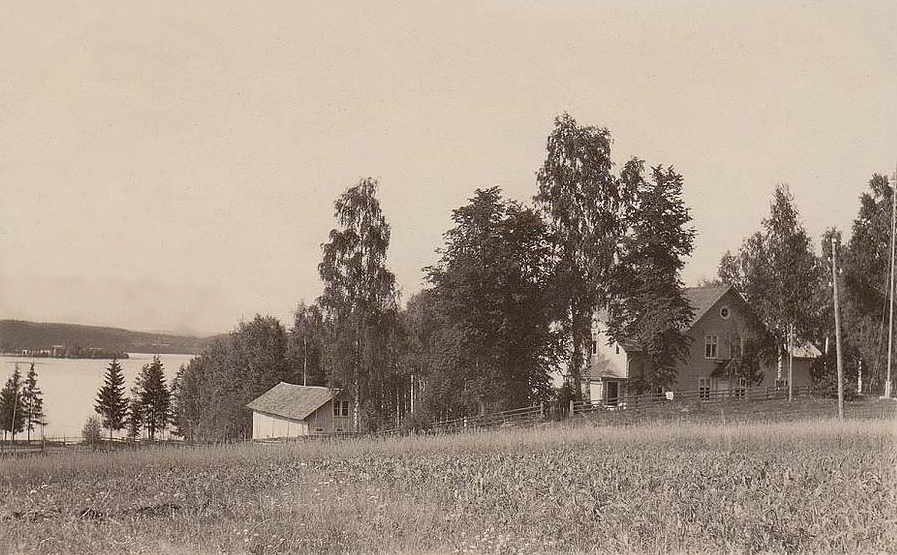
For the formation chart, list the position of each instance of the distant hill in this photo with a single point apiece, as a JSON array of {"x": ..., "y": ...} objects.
[{"x": 18, "y": 335}]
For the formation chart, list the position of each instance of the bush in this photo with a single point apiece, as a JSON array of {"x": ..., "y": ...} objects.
[
  {"x": 415, "y": 422},
  {"x": 91, "y": 433}
]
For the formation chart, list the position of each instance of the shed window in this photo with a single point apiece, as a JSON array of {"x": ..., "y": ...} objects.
[
  {"x": 711, "y": 344},
  {"x": 341, "y": 408}
]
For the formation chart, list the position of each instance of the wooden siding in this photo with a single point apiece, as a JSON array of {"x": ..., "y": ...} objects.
[{"x": 269, "y": 426}]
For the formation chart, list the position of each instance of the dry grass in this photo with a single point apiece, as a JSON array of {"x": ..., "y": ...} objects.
[{"x": 705, "y": 487}]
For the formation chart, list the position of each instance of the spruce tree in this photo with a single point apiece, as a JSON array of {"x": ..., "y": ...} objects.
[
  {"x": 153, "y": 397},
  {"x": 12, "y": 414},
  {"x": 111, "y": 403},
  {"x": 33, "y": 402}
]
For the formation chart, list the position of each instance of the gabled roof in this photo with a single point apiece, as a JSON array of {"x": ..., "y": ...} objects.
[
  {"x": 703, "y": 298},
  {"x": 296, "y": 402}
]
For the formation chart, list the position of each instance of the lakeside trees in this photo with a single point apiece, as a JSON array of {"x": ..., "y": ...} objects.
[
  {"x": 111, "y": 403},
  {"x": 153, "y": 400},
  {"x": 12, "y": 409}
]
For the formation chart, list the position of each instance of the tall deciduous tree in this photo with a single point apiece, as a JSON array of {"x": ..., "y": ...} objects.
[
  {"x": 582, "y": 201},
  {"x": 213, "y": 388},
  {"x": 111, "y": 403},
  {"x": 866, "y": 265},
  {"x": 649, "y": 306},
  {"x": 32, "y": 402},
  {"x": 493, "y": 302},
  {"x": 12, "y": 413},
  {"x": 153, "y": 397},
  {"x": 777, "y": 272},
  {"x": 359, "y": 301}
]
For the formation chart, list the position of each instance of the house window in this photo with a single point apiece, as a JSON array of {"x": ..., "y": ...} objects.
[
  {"x": 618, "y": 349},
  {"x": 704, "y": 389},
  {"x": 740, "y": 387},
  {"x": 593, "y": 348},
  {"x": 711, "y": 343},
  {"x": 724, "y": 313},
  {"x": 341, "y": 408}
]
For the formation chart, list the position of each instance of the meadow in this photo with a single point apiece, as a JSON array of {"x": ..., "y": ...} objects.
[{"x": 796, "y": 485}]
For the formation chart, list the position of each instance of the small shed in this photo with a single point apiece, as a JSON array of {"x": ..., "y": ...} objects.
[{"x": 288, "y": 410}]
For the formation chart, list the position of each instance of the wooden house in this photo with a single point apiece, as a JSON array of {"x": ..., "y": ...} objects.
[
  {"x": 721, "y": 324},
  {"x": 288, "y": 410}
]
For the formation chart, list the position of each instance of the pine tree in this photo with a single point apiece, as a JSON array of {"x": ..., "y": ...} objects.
[
  {"x": 12, "y": 413},
  {"x": 111, "y": 403},
  {"x": 153, "y": 397},
  {"x": 33, "y": 402}
]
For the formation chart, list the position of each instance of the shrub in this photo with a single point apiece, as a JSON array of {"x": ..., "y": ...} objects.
[{"x": 91, "y": 433}]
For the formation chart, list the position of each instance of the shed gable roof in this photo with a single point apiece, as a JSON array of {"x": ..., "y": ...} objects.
[{"x": 296, "y": 402}]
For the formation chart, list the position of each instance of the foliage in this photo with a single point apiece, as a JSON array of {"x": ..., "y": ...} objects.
[
  {"x": 32, "y": 402},
  {"x": 91, "y": 432},
  {"x": 305, "y": 346},
  {"x": 493, "y": 305},
  {"x": 134, "y": 420},
  {"x": 153, "y": 397},
  {"x": 111, "y": 403},
  {"x": 12, "y": 409},
  {"x": 777, "y": 273},
  {"x": 359, "y": 304},
  {"x": 649, "y": 306},
  {"x": 865, "y": 266},
  {"x": 582, "y": 202},
  {"x": 214, "y": 388}
]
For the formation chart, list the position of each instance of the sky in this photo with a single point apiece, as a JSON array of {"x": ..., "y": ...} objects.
[{"x": 172, "y": 166}]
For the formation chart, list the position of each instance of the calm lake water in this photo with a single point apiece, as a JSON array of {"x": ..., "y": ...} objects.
[{"x": 70, "y": 385}]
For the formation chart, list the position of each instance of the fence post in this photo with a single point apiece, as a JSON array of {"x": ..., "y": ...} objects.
[
  {"x": 572, "y": 408},
  {"x": 541, "y": 409}
]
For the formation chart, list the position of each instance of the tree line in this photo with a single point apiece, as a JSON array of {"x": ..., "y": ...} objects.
[
  {"x": 21, "y": 404},
  {"x": 789, "y": 285},
  {"x": 510, "y": 298},
  {"x": 514, "y": 291}
]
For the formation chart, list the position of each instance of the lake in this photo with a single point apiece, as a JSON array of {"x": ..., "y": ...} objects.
[{"x": 70, "y": 385}]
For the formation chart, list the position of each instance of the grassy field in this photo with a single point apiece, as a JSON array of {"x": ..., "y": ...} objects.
[{"x": 695, "y": 484}]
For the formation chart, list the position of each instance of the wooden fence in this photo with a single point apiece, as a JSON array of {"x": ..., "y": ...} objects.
[{"x": 749, "y": 394}]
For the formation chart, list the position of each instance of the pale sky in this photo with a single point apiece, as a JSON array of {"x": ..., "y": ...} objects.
[{"x": 172, "y": 165}]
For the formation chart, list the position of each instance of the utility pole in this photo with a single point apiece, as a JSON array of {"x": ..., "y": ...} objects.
[
  {"x": 838, "y": 329},
  {"x": 891, "y": 287},
  {"x": 304, "y": 359},
  {"x": 790, "y": 361}
]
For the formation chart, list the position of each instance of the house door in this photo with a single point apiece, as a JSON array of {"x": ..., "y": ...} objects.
[{"x": 612, "y": 392}]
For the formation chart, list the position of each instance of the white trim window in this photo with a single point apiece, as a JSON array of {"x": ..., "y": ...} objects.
[
  {"x": 341, "y": 408},
  {"x": 704, "y": 389},
  {"x": 594, "y": 345},
  {"x": 711, "y": 346},
  {"x": 740, "y": 388}
]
